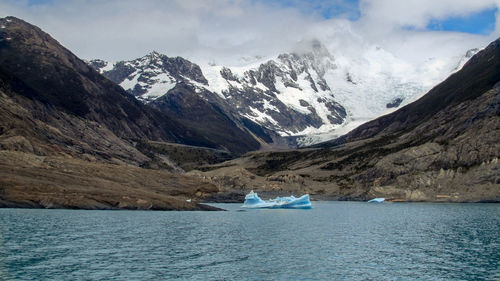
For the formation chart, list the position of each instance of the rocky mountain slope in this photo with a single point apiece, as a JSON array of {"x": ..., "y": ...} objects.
[
  {"x": 69, "y": 137},
  {"x": 442, "y": 147},
  {"x": 297, "y": 98},
  {"x": 189, "y": 101},
  {"x": 60, "y": 79}
]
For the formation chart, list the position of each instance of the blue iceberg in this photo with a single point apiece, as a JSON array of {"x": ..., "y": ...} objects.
[
  {"x": 253, "y": 201},
  {"x": 376, "y": 200}
]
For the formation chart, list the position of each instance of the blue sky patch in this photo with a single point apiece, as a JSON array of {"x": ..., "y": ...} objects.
[
  {"x": 477, "y": 23},
  {"x": 482, "y": 22},
  {"x": 325, "y": 8},
  {"x": 38, "y": 2}
]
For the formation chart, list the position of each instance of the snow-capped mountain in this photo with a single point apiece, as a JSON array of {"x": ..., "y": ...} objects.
[
  {"x": 151, "y": 76},
  {"x": 288, "y": 95},
  {"x": 309, "y": 95}
]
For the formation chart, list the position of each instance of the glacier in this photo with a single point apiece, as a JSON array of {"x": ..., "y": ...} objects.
[{"x": 253, "y": 201}]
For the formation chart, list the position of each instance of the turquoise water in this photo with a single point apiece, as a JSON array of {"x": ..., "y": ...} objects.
[{"x": 333, "y": 241}]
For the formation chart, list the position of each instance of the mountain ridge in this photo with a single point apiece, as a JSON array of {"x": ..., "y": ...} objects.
[
  {"x": 302, "y": 97},
  {"x": 78, "y": 89},
  {"x": 69, "y": 137}
]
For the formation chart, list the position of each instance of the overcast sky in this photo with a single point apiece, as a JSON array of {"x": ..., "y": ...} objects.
[{"x": 227, "y": 29}]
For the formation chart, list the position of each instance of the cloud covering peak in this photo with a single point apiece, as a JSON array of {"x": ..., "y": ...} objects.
[{"x": 225, "y": 30}]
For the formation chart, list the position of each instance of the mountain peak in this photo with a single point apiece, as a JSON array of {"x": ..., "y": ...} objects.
[
  {"x": 154, "y": 55},
  {"x": 313, "y": 47},
  {"x": 152, "y": 58},
  {"x": 12, "y": 19}
]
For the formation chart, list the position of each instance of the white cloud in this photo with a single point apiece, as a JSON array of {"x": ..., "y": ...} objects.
[
  {"x": 418, "y": 13},
  {"x": 224, "y": 29},
  {"x": 127, "y": 29}
]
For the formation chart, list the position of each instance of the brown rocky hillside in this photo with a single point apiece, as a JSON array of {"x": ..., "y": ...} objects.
[{"x": 69, "y": 137}]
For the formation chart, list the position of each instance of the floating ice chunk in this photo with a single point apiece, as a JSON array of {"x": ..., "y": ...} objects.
[
  {"x": 253, "y": 201},
  {"x": 376, "y": 200}
]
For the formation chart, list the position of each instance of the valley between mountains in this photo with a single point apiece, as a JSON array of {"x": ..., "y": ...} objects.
[{"x": 153, "y": 132}]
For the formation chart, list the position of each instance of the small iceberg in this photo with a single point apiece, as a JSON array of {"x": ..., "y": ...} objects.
[
  {"x": 376, "y": 200},
  {"x": 253, "y": 201}
]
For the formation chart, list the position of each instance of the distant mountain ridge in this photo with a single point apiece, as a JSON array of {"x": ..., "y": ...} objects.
[{"x": 298, "y": 98}]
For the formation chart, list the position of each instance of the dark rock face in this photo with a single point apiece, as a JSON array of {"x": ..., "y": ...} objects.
[
  {"x": 228, "y": 75},
  {"x": 189, "y": 109},
  {"x": 394, "y": 103},
  {"x": 97, "y": 64},
  {"x": 123, "y": 71}
]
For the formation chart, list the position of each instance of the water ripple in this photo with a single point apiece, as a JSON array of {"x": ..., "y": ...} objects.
[{"x": 333, "y": 241}]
